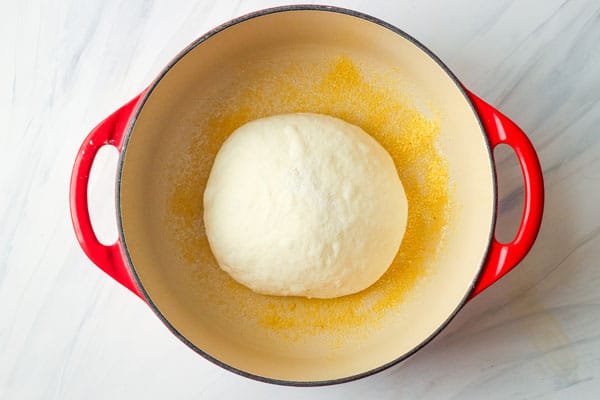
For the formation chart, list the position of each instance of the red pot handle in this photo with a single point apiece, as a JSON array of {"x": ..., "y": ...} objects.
[
  {"x": 110, "y": 259},
  {"x": 503, "y": 257}
]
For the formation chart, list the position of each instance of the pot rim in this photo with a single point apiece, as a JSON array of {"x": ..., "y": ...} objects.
[{"x": 171, "y": 64}]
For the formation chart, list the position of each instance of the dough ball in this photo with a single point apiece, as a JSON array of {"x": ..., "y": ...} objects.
[{"x": 304, "y": 205}]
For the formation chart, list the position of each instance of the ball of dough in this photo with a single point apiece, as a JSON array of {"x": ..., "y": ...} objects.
[{"x": 304, "y": 205}]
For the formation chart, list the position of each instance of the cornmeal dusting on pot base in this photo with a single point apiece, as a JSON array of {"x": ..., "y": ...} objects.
[{"x": 338, "y": 87}]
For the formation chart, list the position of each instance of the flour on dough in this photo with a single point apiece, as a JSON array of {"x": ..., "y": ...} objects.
[{"x": 304, "y": 205}]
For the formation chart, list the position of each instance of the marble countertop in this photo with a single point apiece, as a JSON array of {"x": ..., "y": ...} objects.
[{"x": 67, "y": 331}]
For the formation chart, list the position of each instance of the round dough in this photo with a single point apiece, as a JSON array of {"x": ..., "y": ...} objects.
[{"x": 304, "y": 205}]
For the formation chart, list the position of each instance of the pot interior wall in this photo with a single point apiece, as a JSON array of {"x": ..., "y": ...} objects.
[{"x": 318, "y": 61}]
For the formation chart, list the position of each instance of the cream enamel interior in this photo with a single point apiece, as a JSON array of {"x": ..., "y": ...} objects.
[{"x": 164, "y": 127}]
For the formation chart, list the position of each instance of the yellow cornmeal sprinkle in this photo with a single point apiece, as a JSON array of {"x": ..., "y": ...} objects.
[{"x": 337, "y": 88}]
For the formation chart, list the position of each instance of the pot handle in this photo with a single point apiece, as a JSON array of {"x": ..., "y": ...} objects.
[
  {"x": 503, "y": 257},
  {"x": 110, "y": 258}
]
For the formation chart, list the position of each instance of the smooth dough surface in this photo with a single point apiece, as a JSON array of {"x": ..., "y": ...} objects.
[{"x": 304, "y": 205}]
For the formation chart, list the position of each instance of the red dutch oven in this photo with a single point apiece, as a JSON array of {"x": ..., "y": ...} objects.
[{"x": 318, "y": 59}]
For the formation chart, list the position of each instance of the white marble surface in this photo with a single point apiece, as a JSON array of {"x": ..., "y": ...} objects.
[{"x": 67, "y": 331}]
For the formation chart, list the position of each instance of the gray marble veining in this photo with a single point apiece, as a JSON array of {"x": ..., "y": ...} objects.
[{"x": 69, "y": 332}]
